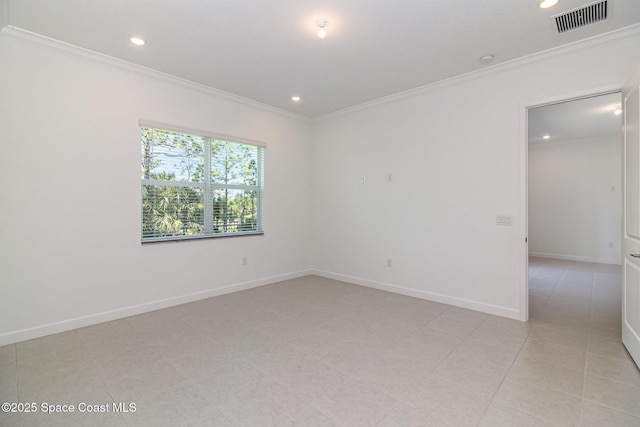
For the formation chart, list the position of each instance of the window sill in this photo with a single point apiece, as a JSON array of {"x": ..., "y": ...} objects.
[{"x": 176, "y": 239}]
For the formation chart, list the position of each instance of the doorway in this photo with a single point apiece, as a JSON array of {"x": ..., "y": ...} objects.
[{"x": 574, "y": 197}]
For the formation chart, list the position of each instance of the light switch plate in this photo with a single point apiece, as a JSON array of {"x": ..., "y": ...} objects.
[{"x": 504, "y": 220}]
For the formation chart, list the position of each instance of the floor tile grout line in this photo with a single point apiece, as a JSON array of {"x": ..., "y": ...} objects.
[
  {"x": 616, "y": 381},
  {"x": 493, "y": 396},
  {"x": 585, "y": 368},
  {"x": 510, "y": 368},
  {"x": 586, "y": 361},
  {"x": 613, "y": 409},
  {"x": 557, "y": 282}
]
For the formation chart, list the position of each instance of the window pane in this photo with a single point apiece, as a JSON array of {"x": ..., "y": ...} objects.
[
  {"x": 233, "y": 163},
  {"x": 172, "y": 211},
  {"x": 235, "y": 210},
  {"x": 171, "y": 156},
  {"x": 199, "y": 186}
]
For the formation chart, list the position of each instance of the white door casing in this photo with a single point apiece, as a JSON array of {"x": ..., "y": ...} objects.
[{"x": 631, "y": 220}]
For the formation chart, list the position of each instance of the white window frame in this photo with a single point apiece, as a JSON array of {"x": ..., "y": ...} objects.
[{"x": 208, "y": 186}]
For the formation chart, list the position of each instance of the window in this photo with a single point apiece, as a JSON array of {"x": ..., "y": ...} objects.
[{"x": 199, "y": 186}]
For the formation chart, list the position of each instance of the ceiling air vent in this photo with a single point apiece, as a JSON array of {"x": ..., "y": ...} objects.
[{"x": 586, "y": 15}]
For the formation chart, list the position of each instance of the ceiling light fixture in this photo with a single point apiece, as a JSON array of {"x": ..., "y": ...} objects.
[
  {"x": 322, "y": 23},
  {"x": 137, "y": 41},
  {"x": 617, "y": 111},
  {"x": 486, "y": 59},
  {"x": 295, "y": 98},
  {"x": 546, "y": 136},
  {"x": 546, "y": 4}
]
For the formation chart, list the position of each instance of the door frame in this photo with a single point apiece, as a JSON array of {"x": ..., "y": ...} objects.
[{"x": 523, "y": 231}]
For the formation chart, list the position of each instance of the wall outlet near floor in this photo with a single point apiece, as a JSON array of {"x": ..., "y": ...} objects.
[
  {"x": 389, "y": 262},
  {"x": 244, "y": 260}
]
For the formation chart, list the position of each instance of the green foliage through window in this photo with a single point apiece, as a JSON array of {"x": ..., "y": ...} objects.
[{"x": 198, "y": 186}]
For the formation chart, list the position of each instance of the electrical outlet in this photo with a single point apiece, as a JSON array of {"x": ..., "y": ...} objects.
[
  {"x": 363, "y": 180},
  {"x": 390, "y": 177},
  {"x": 244, "y": 260},
  {"x": 389, "y": 262},
  {"x": 610, "y": 245}
]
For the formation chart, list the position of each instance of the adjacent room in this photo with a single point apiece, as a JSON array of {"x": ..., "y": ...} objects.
[
  {"x": 267, "y": 213},
  {"x": 574, "y": 187}
]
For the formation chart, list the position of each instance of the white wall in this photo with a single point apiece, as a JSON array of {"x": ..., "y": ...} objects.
[
  {"x": 457, "y": 154},
  {"x": 4, "y": 13},
  {"x": 575, "y": 199},
  {"x": 70, "y": 251}
]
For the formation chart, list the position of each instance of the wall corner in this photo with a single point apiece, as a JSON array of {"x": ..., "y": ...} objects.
[{"x": 4, "y": 13}]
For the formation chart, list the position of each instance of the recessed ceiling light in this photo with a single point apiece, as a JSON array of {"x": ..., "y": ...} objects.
[
  {"x": 137, "y": 41},
  {"x": 295, "y": 98},
  {"x": 546, "y": 4},
  {"x": 322, "y": 24},
  {"x": 546, "y": 136},
  {"x": 486, "y": 59}
]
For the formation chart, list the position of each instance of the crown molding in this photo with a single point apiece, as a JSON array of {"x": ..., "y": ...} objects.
[
  {"x": 39, "y": 40},
  {"x": 594, "y": 42},
  {"x": 590, "y": 43}
]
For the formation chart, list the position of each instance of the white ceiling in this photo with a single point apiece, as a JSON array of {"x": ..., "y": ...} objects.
[
  {"x": 576, "y": 119},
  {"x": 268, "y": 50}
]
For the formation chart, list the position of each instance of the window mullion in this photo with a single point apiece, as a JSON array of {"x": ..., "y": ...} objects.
[
  {"x": 208, "y": 196},
  {"x": 259, "y": 191}
]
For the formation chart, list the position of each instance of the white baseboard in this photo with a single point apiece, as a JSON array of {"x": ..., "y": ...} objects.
[
  {"x": 80, "y": 322},
  {"x": 510, "y": 313},
  {"x": 576, "y": 258}
]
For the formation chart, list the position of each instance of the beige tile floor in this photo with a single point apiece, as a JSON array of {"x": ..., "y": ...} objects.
[{"x": 317, "y": 352}]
